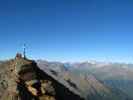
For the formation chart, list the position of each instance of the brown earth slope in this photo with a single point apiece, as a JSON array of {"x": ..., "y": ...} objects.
[{"x": 21, "y": 79}]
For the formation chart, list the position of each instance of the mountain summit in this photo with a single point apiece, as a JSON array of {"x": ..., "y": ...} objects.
[{"x": 21, "y": 79}]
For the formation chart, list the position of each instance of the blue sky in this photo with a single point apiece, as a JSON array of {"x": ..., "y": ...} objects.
[{"x": 67, "y": 30}]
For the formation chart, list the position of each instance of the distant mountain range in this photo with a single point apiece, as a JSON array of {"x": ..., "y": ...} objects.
[{"x": 94, "y": 80}]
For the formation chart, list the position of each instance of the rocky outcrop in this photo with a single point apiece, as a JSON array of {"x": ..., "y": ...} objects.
[{"x": 21, "y": 79}]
